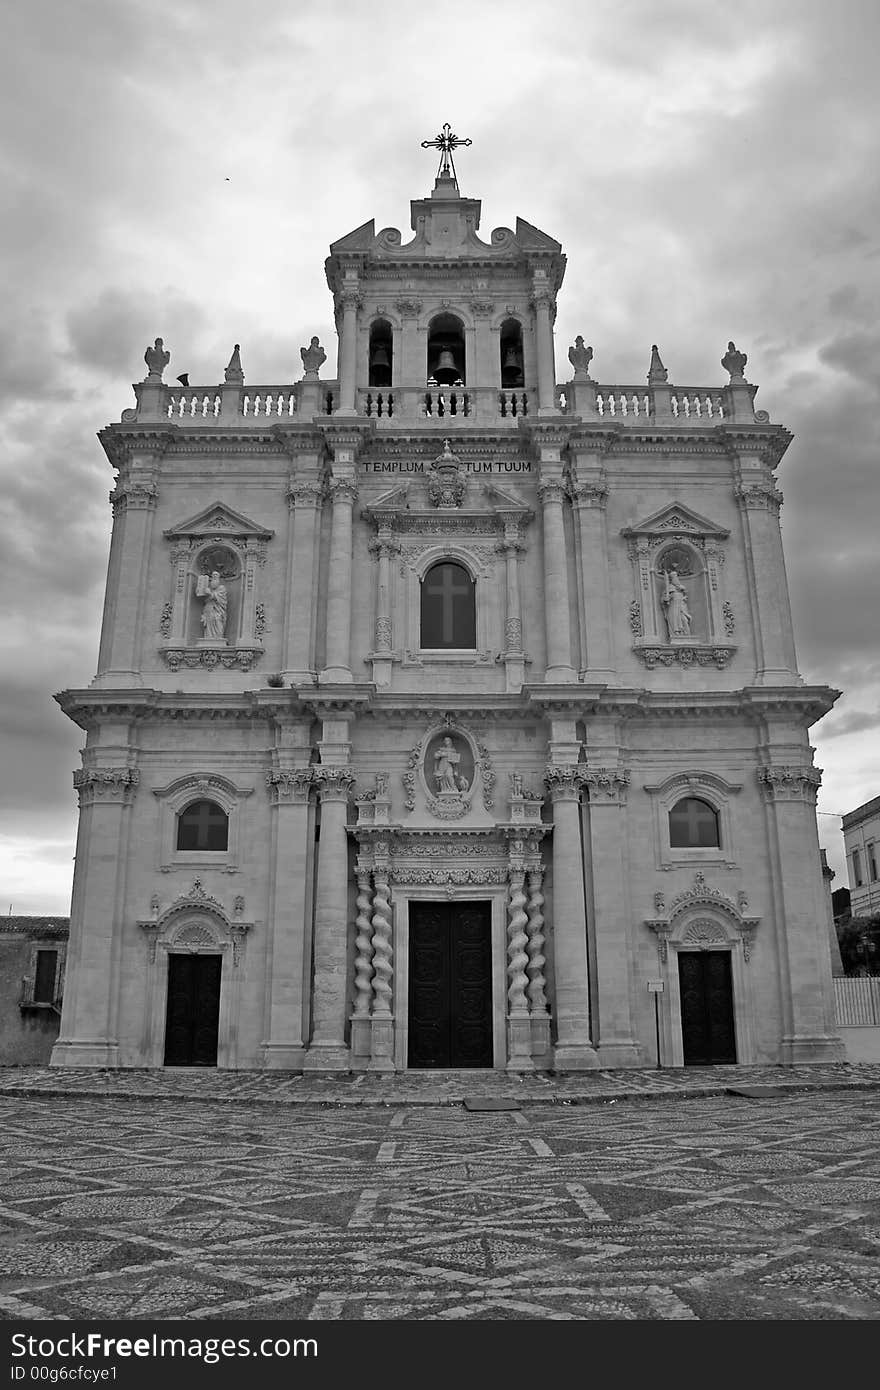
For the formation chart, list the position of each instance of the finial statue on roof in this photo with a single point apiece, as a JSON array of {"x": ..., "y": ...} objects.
[
  {"x": 580, "y": 358},
  {"x": 657, "y": 373},
  {"x": 735, "y": 363},
  {"x": 445, "y": 142},
  {"x": 313, "y": 357},
  {"x": 234, "y": 373},
  {"x": 157, "y": 359}
]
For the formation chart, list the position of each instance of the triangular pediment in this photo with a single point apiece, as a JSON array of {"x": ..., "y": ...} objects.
[
  {"x": 677, "y": 519},
  {"x": 218, "y": 520},
  {"x": 361, "y": 239},
  {"x": 393, "y": 500},
  {"x": 534, "y": 238},
  {"x": 504, "y": 501}
]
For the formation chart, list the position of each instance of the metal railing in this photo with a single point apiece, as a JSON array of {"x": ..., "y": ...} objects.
[{"x": 857, "y": 1000}]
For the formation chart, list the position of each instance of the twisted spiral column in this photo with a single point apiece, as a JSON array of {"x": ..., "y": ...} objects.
[
  {"x": 383, "y": 1023},
  {"x": 363, "y": 942},
  {"x": 535, "y": 948},
  {"x": 517, "y": 941}
]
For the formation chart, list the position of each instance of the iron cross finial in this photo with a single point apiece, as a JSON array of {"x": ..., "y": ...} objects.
[{"x": 445, "y": 142}]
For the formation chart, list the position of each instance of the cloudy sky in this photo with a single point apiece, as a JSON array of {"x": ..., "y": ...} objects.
[{"x": 710, "y": 167}]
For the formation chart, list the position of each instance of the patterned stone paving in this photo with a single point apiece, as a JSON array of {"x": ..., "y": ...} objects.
[{"x": 683, "y": 1206}]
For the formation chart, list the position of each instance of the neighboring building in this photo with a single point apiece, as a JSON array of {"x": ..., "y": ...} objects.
[
  {"x": 861, "y": 837},
  {"x": 446, "y": 716},
  {"x": 32, "y": 959}
]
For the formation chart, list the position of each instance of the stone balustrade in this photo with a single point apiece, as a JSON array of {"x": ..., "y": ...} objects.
[{"x": 450, "y": 405}]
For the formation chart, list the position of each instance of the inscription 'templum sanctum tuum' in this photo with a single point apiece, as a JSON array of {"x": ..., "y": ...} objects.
[{"x": 447, "y": 714}]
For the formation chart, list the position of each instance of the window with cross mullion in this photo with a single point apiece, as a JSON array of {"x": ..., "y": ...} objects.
[{"x": 448, "y": 608}]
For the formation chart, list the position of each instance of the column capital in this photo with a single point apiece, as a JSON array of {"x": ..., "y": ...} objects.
[
  {"x": 552, "y": 490},
  {"x": 606, "y": 785},
  {"x": 289, "y": 787},
  {"x": 305, "y": 493},
  {"x": 108, "y": 785},
  {"x": 343, "y": 490},
  {"x": 564, "y": 783},
  {"x": 333, "y": 783},
  {"x": 134, "y": 494},
  {"x": 384, "y": 547},
  {"x": 760, "y": 495},
  {"x": 790, "y": 783},
  {"x": 591, "y": 493}
]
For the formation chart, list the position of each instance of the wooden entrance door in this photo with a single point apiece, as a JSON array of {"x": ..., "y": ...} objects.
[
  {"x": 450, "y": 985},
  {"x": 193, "y": 1013},
  {"x": 707, "y": 1026}
]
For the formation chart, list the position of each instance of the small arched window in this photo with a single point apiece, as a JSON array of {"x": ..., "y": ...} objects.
[
  {"x": 448, "y": 607},
  {"x": 381, "y": 353},
  {"x": 203, "y": 825},
  {"x": 693, "y": 824}
]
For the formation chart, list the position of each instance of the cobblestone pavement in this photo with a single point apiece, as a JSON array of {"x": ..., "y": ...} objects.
[{"x": 680, "y": 1206}]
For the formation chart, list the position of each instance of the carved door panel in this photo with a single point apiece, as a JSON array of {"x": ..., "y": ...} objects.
[
  {"x": 707, "y": 1023},
  {"x": 450, "y": 985},
  {"x": 193, "y": 1012}
]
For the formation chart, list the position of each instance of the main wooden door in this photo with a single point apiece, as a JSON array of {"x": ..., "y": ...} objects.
[
  {"x": 450, "y": 985},
  {"x": 193, "y": 1012},
  {"x": 707, "y": 1026}
]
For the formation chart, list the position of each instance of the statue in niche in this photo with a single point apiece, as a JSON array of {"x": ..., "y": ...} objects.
[
  {"x": 675, "y": 605},
  {"x": 446, "y": 768},
  {"x": 212, "y": 591},
  {"x": 580, "y": 358},
  {"x": 313, "y": 357}
]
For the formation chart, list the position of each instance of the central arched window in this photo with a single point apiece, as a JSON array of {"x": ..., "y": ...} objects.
[
  {"x": 203, "y": 826},
  {"x": 448, "y": 607},
  {"x": 693, "y": 824}
]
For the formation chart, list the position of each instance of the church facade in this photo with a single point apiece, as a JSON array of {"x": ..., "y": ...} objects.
[{"x": 445, "y": 715}]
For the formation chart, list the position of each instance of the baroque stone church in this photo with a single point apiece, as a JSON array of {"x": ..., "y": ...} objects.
[{"x": 446, "y": 715}]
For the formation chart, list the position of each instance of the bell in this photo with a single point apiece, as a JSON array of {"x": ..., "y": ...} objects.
[
  {"x": 446, "y": 371},
  {"x": 380, "y": 365},
  {"x": 511, "y": 368},
  {"x": 380, "y": 356}
]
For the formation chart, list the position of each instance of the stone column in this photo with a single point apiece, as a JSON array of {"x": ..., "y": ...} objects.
[
  {"x": 539, "y": 1014},
  {"x": 338, "y": 650},
  {"x": 88, "y": 1021},
  {"x": 759, "y": 501},
  {"x": 363, "y": 965},
  {"x": 383, "y": 963},
  {"x": 542, "y": 300},
  {"x": 285, "y": 947},
  {"x": 327, "y": 1050},
  {"x": 614, "y": 1036},
  {"x": 304, "y": 498},
  {"x": 574, "y": 1050},
  {"x": 800, "y": 909},
  {"x": 134, "y": 505},
  {"x": 519, "y": 1033},
  {"x": 385, "y": 547},
  {"x": 514, "y": 656},
  {"x": 556, "y": 606},
  {"x": 590, "y": 498},
  {"x": 350, "y": 301}
]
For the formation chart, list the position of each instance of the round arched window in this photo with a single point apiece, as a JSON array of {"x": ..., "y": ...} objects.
[
  {"x": 693, "y": 824},
  {"x": 203, "y": 825},
  {"x": 448, "y": 607}
]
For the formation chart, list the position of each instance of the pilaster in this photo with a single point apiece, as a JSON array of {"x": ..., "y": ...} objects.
[
  {"x": 574, "y": 1049},
  {"x": 759, "y": 502},
  {"x": 327, "y": 1050}
]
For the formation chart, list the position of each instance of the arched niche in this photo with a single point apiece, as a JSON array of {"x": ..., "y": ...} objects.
[
  {"x": 680, "y": 593},
  {"x": 214, "y": 608}
]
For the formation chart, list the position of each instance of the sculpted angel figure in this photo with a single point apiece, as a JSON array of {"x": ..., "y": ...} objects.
[
  {"x": 214, "y": 598},
  {"x": 580, "y": 357},
  {"x": 157, "y": 358},
  {"x": 313, "y": 357},
  {"x": 674, "y": 600}
]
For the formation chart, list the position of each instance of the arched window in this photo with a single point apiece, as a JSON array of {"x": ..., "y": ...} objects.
[
  {"x": 693, "y": 824},
  {"x": 203, "y": 825},
  {"x": 511, "y": 345},
  {"x": 446, "y": 353},
  {"x": 381, "y": 353},
  {"x": 448, "y": 607}
]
